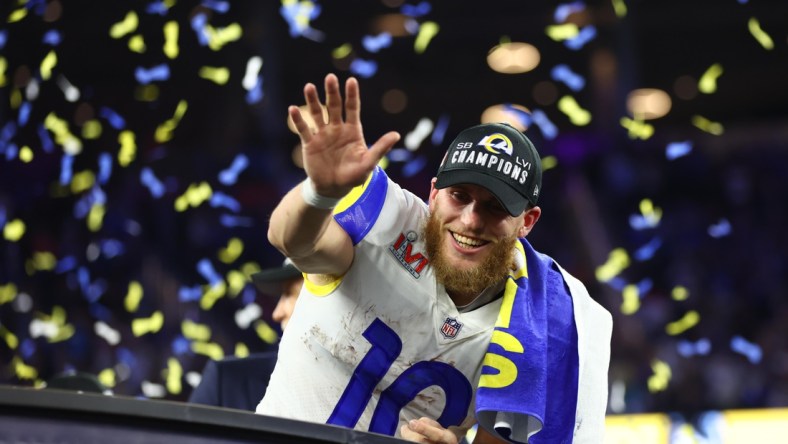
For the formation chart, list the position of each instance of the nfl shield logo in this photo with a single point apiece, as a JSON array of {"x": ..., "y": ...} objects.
[{"x": 450, "y": 328}]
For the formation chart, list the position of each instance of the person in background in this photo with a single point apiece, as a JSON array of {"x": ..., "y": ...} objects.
[
  {"x": 417, "y": 318},
  {"x": 240, "y": 383}
]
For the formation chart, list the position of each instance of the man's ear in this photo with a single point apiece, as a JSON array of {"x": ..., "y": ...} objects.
[
  {"x": 530, "y": 218},
  {"x": 433, "y": 193}
]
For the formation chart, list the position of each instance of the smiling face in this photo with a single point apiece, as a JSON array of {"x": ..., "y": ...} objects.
[{"x": 470, "y": 238}]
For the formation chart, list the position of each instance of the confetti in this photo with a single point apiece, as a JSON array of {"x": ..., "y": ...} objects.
[
  {"x": 170, "y": 48},
  {"x": 70, "y": 91},
  {"x": 748, "y": 349},
  {"x": 230, "y": 221},
  {"x": 363, "y": 68},
  {"x": 674, "y": 150},
  {"x": 414, "y": 166},
  {"x": 562, "y": 73},
  {"x": 9, "y": 338},
  {"x": 128, "y": 148},
  {"x": 620, "y": 8},
  {"x": 631, "y": 302},
  {"x": 153, "y": 74},
  {"x": 232, "y": 251},
  {"x": 248, "y": 314},
  {"x": 229, "y": 176},
  {"x": 708, "y": 81},
  {"x": 210, "y": 349},
  {"x": 113, "y": 118},
  {"x": 17, "y": 15},
  {"x": 194, "y": 196},
  {"x": 150, "y": 181},
  {"x": 218, "y": 6},
  {"x": 14, "y": 230},
  {"x": 689, "y": 320},
  {"x": 137, "y": 44},
  {"x": 707, "y": 125},
  {"x": 577, "y": 115},
  {"x": 152, "y": 324},
  {"x": 198, "y": 24},
  {"x": 648, "y": 250},
  {"x": 107, "y": 377},
  {"x": 637, "y": 129},
  {"x": 617, "y": 261},
  {"x": 265, "y": 332},
  {"x": 720, "y": 229},
  {"x": 152, "y": 390},
  {"x": 237, "y": 281},
  {"x": 194, "y": 331},
  {"x": 252, "y": 72},
  {"x": 299, "y": 14},
  {"x": 563, "y": 11},
  {"x": 562, "y": 32},
  {"x": 649, "y": 216},
  {"x": 549, "y": 130},
  {"x": 419, "y": 10},
  {"x": 689, "y": 348},
  {"x": 106, "y": 332},
  {"x": 760, "y": 35},
  {"x": 413, "y": 139},
  {"x": 427, "y": 31},
  {"x": 8, "y": 293},
  {"x": 22, "y": 370},
  {"x": 164, "y": 131},
  {"x": 679, "y": 293},
  {"x": 124, "y": 27},
  {"x": 218, "y": 37},
  {"x": 241, "y": 350},
  {"x": 659, "y": 380},
  {"x": 585, "y": 35},
  {"x": 218, "y": 75},
  {"x": 374, "y": 44},
  {"x": 133, "y": 296}
]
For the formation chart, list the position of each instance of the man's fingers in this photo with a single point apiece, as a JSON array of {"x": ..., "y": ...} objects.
[
  {"x": 432, "y": 430},
  {"x": 382, "y": 146},
  {"x": 333, "y": 100},
  {"x": 313, "y": 104},
  {"x": 300, "y": 124},
  {"x": 352, "y": 102}
]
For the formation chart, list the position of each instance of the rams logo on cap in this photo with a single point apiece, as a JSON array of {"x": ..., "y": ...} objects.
[{"x": 497, "y": 143}]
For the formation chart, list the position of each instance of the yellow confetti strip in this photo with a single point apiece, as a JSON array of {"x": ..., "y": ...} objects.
[
  {"x": 9, "y": 338},
  {"x": 22, "y": 370},
  {"x": 133, "y": 296},
  {"x": 174, "y": 375},
  {"x": 71, "y": 145},
  {"x": 8, "y": 293},
  {"x": 171, "y": 39},
  {"x": 218, "y": 75},
  {"x": 237, "y": 281},
  {"x": 631, "y": 302},
  {"x": 562, "y": 32},
  {"x": 17, "y": 15},
  {"x": 234, "y": 249},
  {"x": 194, "y": 331},
  {"x": 41, "y": 261},
  {"x": 3, "y": 67},
  {"x": 688, "y": 321},
  {"x": 124, "y": 27},
  {"x": 620, "y": 8},
  {"x": 212, "y": 294},
  {"x": 707, "y": 125},
  {"x": 427, "y": 31},
  {"x": 16, "y": 98},
  {"x": 679, "y": 293},
  {"x": 14, "y": 230},
  {"x": 577, "y": 115},
  {"x": 137, "y": 44},
  {"x": 549, "y": 162},
  {"x": 82, "y": 181},
  {"x": 107, "y": 377},
  {"x": 49, "y": 62},
  {"x": 128, "y": 148},
  {"x": 760, "y": 35},
  {"x": 91, "y": 129},
  {"x": 218, "y": 37},
  {"x": 153, "y": 324},
  {"x": 146, "y": 93},
  {"x": 637, "y": 129},
  {"x": 650, "y": 212},
  {"x": 342, "y": 51},
  {"x": 241, "y": 350},
  {"x": 95, "y": 217},
  {"x": 25, "y": 154},
  {"x": 617, "y": 261},
  {"x": 708, "y": 81},
  {"x": 195, "y": 195},
  {"x": 265, "y": 332},
  {"x": 250, "y": 268},
  {"x": 210, "y": 349},
  {"x": 661, "y": 377},
  {"x": 164, "y": 131}
]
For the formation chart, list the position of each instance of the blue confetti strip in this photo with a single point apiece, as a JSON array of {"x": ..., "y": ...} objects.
[
  {"x": 52, "y": 38},
  {"x": 11, "y": 151},
  {"x": 3, "y": 38},
  {"x": 562, "y": 73},
  {"x": 549, "y": 130},
  {"x": 24, "y": 113},
  {"x": 218, "y": 6},
  {"x": 298, "y": 17},
  {"x": 584, "y": 36},
  {"x": 3, "y": 215},
  {"x": 112, "y": 247},
  {"x": 150, "y": 181},
  {"x": 255, "y": 94},
  {"x": 647, "y": 251},
  {"x": 205, "y": 268},
  {"x": 230, "y": 175},
  {"x": 198, "y": 25},
  {"x": 249, "y": 295},
  {"x": 47, "y": 144},
  {"x": 399, "y": 155},
  {"x": 126, "y": 356},
  {"x": 440, "y": 130},
  {"x": 364, "y": 68},
  {"x": 105, "y": 168},
  {"x": 157, "y": 8},
  {"x": 27, "y": 348},
  {"x": 189, "y": 294},
  {"x": 7, "y": 133},
  {"x": 419, "y": 10},
  {"x": 522, "y": 116},
  {"x": 115, "y": 120},
  {"x": 219, "y": 199},
  {"x": 720, "y": 229},
  {"x": 563, "y": 11},
  {"x": 65, "y": 264},
  {"x": 689, "y": 348},
  {"x": 83, "y": 205},
  {"x": 66, "y": 169},
  {"x": 180, "y": 345},
  {"x": 674, "y": 150},
  {"x": 376, "y": 43},
  {"x": 414, "y": 166},
  {"x": 750, "y": 350},
  {"x": 100, "y": 312},
  {"x": 230, "y": 221},
  {"x": 147, "y": 75}
]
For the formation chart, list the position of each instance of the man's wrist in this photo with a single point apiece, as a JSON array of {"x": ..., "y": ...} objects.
[{"x": 313, "y": 199}]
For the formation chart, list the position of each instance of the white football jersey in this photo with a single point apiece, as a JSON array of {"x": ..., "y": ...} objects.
[{"x": 384, "y": 344}]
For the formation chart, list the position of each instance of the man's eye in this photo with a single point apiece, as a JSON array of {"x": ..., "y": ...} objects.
[{"x": 460, "y": 196}]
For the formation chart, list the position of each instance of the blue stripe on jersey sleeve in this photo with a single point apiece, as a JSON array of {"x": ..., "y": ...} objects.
[{"x": 361, "y": 215}]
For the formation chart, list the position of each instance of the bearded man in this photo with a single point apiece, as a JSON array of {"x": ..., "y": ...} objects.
[{"x": 418, "y": 319}]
